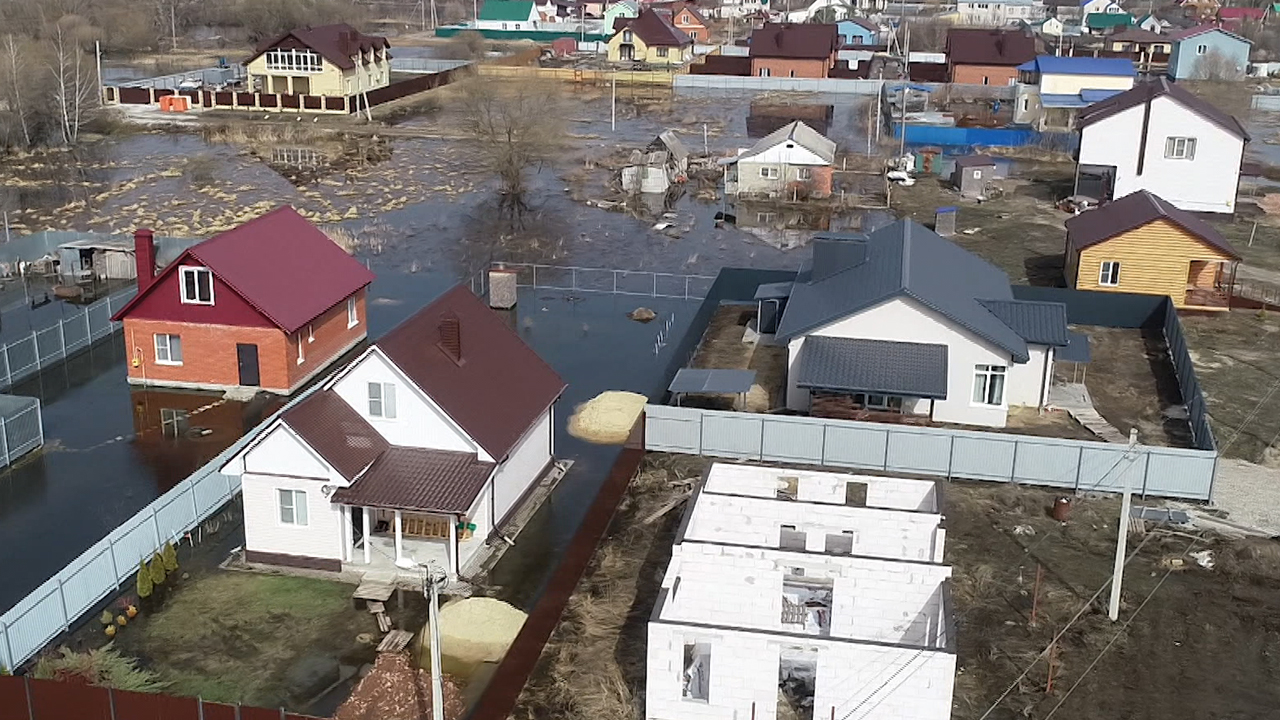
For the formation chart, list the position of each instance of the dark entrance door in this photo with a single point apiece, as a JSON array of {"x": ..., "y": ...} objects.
[{"x": 247, "y": 356}]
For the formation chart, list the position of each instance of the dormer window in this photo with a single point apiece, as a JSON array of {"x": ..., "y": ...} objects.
[{"x": 197, "y": 286}]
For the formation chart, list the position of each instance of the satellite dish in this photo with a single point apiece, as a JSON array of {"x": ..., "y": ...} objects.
[{"x": 327, "y": 490}]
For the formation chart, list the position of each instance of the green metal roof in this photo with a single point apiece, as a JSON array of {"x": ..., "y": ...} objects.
[
  {"x": 518, "y": 10},
  {"x": 1099, "y": 21}
]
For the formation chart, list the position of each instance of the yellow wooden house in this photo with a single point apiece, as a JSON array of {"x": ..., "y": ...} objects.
[
  {"x": 1142, "y": 244},
  {"x": 650, "y": 38},
  {"x": 329, "y": 60}
]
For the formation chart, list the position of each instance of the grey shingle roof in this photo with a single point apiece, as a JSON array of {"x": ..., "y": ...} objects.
[
  {"x": 800, "y": 134},
  {"x": 903, "y": 259},
  {"x": 879, "y": 366},
  {"x": 1042, "y": 323}
]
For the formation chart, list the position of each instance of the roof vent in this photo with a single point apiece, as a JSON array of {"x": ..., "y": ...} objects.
[{"x": 451, "y": 337}]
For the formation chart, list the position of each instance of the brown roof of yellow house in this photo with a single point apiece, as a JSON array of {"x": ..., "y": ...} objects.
[{"x": 1133, "y": 211}]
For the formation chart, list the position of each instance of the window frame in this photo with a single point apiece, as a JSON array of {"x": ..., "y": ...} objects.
[
  {"x": 353, "y": 313},
  {"x": 196, "y": 271},
  {"x": 1109, "y": 273},
  {"x": 1202, "y": 50},
  {"x": 769, "y": 173},
  {"x": 294, "y": 61},
  {"x": 382, "y": 400},
  {"x": 296, "y": 519},
  {"x": 1171, "y": 147},
  {"x": 804, "y": 173},
  {"x": 168, "y": 349},
  {"x": 765, "y": 72},
  {"x": 662, "y": 51},
  {"x": 982, "y": 376}
]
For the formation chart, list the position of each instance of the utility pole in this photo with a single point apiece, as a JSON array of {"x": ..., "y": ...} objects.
[
  {"x": 97, "y": 53},
  {"x": 707, "y": 151},
  {"x": 902, "y": 128},
  {"x": 422, "y": 14},
  {"x": 432, "y": 579},
  {"x": 1117, "y": 573},
  {"x": 613, "y": 104},
  {"x": 173, "y": 23},
  {"x": 475, "y": 12}
]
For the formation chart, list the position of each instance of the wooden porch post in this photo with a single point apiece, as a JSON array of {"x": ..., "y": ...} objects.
[
  {"x": 368, "y": 540},
  {"x": 453, "y": 547},
  {"x": 399, "y": 534}
]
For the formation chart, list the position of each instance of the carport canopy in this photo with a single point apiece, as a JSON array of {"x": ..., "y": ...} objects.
[{"x": 722, "y": 382}]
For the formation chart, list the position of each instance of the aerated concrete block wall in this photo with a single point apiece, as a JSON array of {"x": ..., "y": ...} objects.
[
  {"x": 854, "y": 681},
  {"x": 823, "y": 487}
]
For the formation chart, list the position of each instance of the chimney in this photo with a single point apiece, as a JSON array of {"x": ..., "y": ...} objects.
[
  {"x": 144, "y": 253},
  {"x": 451, "y": 337}
]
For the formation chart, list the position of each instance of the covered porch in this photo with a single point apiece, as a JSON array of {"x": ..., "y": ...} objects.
[
  {"x": 1209, "y": 284},
  {"x": 877, "y": 380},
  {"x": 402, "y": 539}
]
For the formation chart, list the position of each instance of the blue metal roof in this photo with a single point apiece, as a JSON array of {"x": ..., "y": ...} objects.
[
  {"x": 1063, "y": 101},
  {"x": 1077, "y": 349},
  {"x": 1119, "y": 67}
]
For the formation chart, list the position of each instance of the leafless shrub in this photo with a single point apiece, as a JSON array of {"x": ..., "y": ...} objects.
[
  {"x": 1215, "y": 65},
  {"x": 515, "y": 124}
]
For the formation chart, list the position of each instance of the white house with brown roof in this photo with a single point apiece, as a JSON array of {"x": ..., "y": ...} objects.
[
  {"x": 416, "y": 452},
  {"x": 1161, "y": 138}
]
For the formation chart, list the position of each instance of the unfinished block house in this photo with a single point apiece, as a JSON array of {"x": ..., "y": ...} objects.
[
  {"x": 416, "y": 452},
  {"x": 798, "y": 594}
]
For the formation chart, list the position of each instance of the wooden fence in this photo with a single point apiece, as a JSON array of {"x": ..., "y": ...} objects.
[{"x": 25, "y": 698}]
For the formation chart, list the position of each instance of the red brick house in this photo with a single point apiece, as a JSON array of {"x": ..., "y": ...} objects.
[
  {"x": 267, "y": 305},
  {"x": 987, "y": 56},
  {"x": 801, "y": 51},
  {"x": 685, "y": 16}
]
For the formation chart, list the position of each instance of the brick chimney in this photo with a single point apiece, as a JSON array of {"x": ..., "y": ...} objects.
[
  {"x": 144, "y": 252},
  {"x": 451, "y": 337}
]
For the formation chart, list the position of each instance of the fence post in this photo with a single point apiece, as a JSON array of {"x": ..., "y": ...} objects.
[
  {"x": 822, "y": 447},
  {"x": 9, "y": 660},
  {"x": 62, "y": 599},
  {"x": 62, "y": 335},
  {"x": 111, "y": 702},
  {"x": 1079, "y": 465},
  {"x": 4, "y": 440},
  {"x": 115, "y": 567},
  {"x": 40, "y": 422},
  {"x": 155, "y": 524},
  {"x": 1146, "y": 471},
  {"x": 951, "y": 453},
  {"x": 195, "y": 507},
  {"x": 1013, "y": 466},
  {"x": 88, "y": 326},
  {"x": 35, "y": 348}
]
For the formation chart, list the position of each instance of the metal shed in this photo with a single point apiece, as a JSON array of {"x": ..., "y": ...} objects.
[
  {"x": 972, "y": 173},
  {"x": 102, "y": 258}
]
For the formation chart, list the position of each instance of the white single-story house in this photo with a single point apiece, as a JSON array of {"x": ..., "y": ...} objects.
[
  {"x": 1161, "y": 138},
  {"x": 415, "y": 452},
  {"x": 793, "y": 158},
  {"x": 804, "y": 588},
  {"x": 902, "y": 321}
]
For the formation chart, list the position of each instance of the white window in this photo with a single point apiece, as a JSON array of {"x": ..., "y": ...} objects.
[
  {"x": 792, "y": 73},
  {"x": 1013, "y": 81},
  {"x": 504, "y": 26},
  {"x": 769, "y": 173},
  {"x": 1180, "y": 148},
  {"x": 352, "y": 318},
  {"x": 765, "y": 217},
  {"x": 1109, "y": 274},
  {"x": 517, "y": 26},
  {"x": 977, "y": 174},
  {"x": 804, "y": 174},
  {"x": 988, "y": 384},
  {"x": 293, "y": 507},
  {"x": 174, "y": 423},
  {"x": 294, "y": 61},
  {"x": 662, "y": 52},
  {"x": 301, "y": 355},
  {"x": 626, "y": 36},
  {"x": 1202, "y": 49},
  {"x": 382, "y": 400},
  {"x": 986, "y": 80},
  {"x": 168, "y": 349},
  {"x": 764, "y": 72},
  {"x": 197, "y": 286}
]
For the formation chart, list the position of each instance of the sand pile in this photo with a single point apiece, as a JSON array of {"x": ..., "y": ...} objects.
[
  {"x": 473, "y": 631},
  {"x": 607, "y": 418}
]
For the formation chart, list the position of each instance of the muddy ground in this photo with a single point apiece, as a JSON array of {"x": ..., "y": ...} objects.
[{"x": 722, "y": 348}]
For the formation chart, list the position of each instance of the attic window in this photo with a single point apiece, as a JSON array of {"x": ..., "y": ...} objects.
[
  {"x": 304, "y": 61},
  {"x": 197, "y": 286}
]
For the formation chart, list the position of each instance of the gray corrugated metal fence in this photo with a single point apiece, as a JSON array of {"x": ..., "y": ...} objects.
[
  {"x": 424, "y": 65},
  {"x": 999, "y": 457}
]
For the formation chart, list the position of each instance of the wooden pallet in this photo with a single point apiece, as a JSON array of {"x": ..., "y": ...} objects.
[
  {"x": 374, "y": 590},
  {"x": 395, "y": 641}
]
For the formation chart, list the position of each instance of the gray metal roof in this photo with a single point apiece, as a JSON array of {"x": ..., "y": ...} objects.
[
  {"x": 674, "y": 145},
  {"x": 879, "y": 366},
  {"x": 772, "y": 291},
  {"x": 1076, "y": 350},
  {"x": 800, "y": 134},
  {"x": 850, "y": 273},
  {"x": 1042, "y": 323},
  {"x": 690, "y": 380}
]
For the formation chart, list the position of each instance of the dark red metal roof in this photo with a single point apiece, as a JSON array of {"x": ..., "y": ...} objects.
[
  {"x": 655, "y": 29},
  {"x": 408, "y": 478},
  {"x": 1133, "y": 211},
  {"x": 498, "y": 387},
  {"x": 335, "y": 430},
  {"x": 1145, "y": 92},
  {"x": 279, "y": 263},
  {"x": 335, "y": 43},
  {"x": 985, "y": 46},
  {"x": 808, "y": 41}
]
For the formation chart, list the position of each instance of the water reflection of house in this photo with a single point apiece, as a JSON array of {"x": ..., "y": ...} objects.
[
  {"x": 177, "y": 431},
  {"x": 765, "y": 118}
]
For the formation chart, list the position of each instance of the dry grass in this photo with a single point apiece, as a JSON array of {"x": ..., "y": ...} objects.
[
  {"x": 254, "y": 133},
  {"x": 593, "y": 668}
]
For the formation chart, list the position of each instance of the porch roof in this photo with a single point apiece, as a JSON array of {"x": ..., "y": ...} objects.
[
  {"x": 405, "y": 478},
  {"x": 877, "y": 366}
]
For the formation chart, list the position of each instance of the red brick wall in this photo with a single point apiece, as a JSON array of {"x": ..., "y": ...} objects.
[
  {"x": 209, "y": 351},
  {"x": 783, "y": 67},
  {"x": 821, "y": 182},
  {"x": 976, "y": 74}
]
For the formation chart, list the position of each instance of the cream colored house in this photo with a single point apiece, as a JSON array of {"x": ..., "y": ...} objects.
[
  {"x": 652, "y": 39},
  {"x": 331, "y": 60}
]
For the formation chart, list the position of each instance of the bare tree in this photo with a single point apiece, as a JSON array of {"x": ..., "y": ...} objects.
[
  {"x": 15, "y": 71},
  {"x": 75, "y": 89},
  {"x": 1216, "y": 65},
  {"x": 515, "y": 124}
]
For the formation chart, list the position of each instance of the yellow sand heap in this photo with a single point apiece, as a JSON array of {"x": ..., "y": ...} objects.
[
  {"x": 607, "y": 418},
  {"x": 472, "y": 631}
]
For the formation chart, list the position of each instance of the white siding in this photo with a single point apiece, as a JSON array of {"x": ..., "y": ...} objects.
[
  {"x": 280, "y": 452},
  {"x": 781, "y": 154},
  {"x": 321, "y": 537},
  {"x": 1207, "y": 183},
  {"x": 522, "y": 466},
  {"x": 905, "y": 320},
  {"x": 419, "y": 422},
  {"x": 1026, "y": 380}
]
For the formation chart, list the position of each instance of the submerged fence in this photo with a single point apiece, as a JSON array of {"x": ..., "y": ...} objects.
[
  {"x": 1001, "y": 457},
  {"x": 23, "y": 358},
  {"x": 604, "y": 280},
  {"x": 21, "y": 427}
]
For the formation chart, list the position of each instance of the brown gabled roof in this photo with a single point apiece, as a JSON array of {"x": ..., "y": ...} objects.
[
  {"x": 800, "y": 42},
  {"x": 982, "y": 46},
  {"x": 335, "y": 43},
  {"x": 495, "y": 387},
  {"x": 336, "y": 431},
  {"x": 408, "y": 478},
  {"x": 654, "y": 28},
  {"x": 1133, "y": 211},
  {"x": 1147, "y": 91},
  {"x": 974, "y": 161}
]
